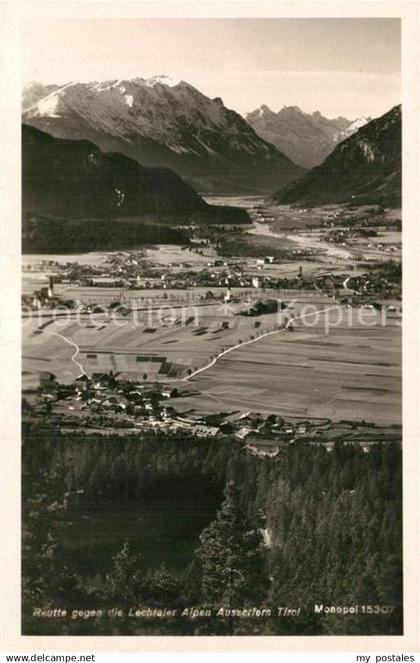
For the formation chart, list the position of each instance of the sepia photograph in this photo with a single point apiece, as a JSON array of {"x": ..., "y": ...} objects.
[{"x": 211, "y": 314}]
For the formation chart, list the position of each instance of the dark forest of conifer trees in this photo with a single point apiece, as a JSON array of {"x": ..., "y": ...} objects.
[{"x": 305, "y": 527}]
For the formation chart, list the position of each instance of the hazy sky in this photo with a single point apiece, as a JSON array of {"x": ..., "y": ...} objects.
[{"x": 347, "y": 67}]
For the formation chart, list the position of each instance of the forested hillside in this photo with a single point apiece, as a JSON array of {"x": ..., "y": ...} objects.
[
  {"x": 303, "y": 528},
  {"x": 364, "y": 169},
  {"x": 77, "y": 198}
]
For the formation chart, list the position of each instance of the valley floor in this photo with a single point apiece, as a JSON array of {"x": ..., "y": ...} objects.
[{"x": 340, "y": 364}]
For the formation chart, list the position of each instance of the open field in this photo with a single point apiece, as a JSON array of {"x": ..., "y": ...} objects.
[
  {"x": 174, "y": 256},
  {"x": 353, "y": 250},
  {"x": 303, "y": 241},
  {"x": 351, "y": 373},
  {"x": 89, "y": 258},
  {"x": 161, "y": 343},
  {"x": 248, "y": 202},
  {"x": 38, "y": 276},
  {"x": 32, "y": 281}
]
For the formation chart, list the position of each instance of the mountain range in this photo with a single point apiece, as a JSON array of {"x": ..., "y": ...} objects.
[
  {"x": 363, "y": 169},
  {"x": 306, "y": 138},
  {"x": 120, "y": 148},
  {"x": 159, "y": 122}
]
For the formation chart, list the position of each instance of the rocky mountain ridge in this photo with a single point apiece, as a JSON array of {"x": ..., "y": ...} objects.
[{"x": 306, "y": 138}]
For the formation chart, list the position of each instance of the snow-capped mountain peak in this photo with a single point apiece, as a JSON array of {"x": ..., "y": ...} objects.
[
  {"x": 357, "y": 124},
  {"x": 121, "y": 83},
  {"x": 161, "y": 80},
  {"x": 263, "y": 110}
]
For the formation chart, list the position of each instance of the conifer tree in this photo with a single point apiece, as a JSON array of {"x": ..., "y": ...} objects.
[
  {"x": 124, "y": 584},
  {"x": 163, "y": 588},
  {"x": 232, "y": 567}
]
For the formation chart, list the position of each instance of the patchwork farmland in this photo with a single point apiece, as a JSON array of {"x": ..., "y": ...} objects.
[
  {"x": 352, "y": 373},
  {"x": 330, "y": 365}
]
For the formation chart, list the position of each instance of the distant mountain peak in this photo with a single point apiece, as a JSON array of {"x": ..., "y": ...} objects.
[
  {"x": 354, "y": 126},
  {"x": 306, "y": 138},
  {"x": 161, "y": 80},
  {"x": 117, "y": 83},
  {"x": 291, "y": 109}
]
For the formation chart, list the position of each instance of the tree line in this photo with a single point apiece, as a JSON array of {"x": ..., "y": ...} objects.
[{"x": 305, "y": 527}]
